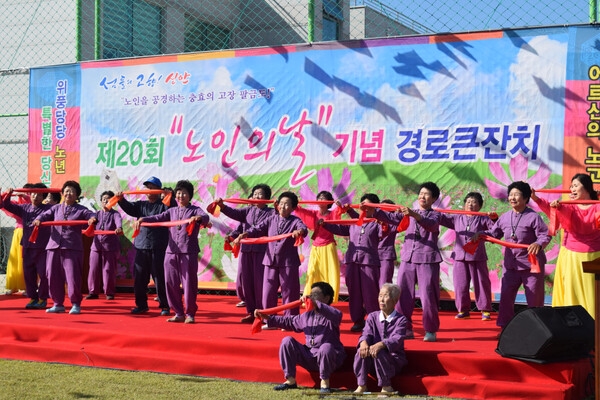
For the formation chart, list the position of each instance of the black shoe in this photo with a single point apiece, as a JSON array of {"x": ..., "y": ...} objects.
[
  {"x": 325, "y": 390},
  {"x": 285, "y": 386},
  {"x": 164, "y": 312},
  {"x": 248, "y": 319},
  {"x": 139, "y": 310},
  {"x": 358, "y": 327},
  {"x": 91, "y": 296}
]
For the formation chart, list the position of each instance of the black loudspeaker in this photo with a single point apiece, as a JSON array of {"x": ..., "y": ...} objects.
[{"x": 547, "y": 334}]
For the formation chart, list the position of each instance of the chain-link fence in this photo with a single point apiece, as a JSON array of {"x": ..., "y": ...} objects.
[{"x": 48, "y": 32}]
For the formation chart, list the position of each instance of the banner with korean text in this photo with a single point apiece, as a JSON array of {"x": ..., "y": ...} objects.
[{"x": 471, "y": 112}]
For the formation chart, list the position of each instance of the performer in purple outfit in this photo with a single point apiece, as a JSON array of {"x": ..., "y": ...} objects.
[
  {"x": 281, "y": 259},
  {"x": 181, "y": 259},
  {"x": 470, "y": 267},
  {"x": 362, "y": 262},
  {"x": 420, "y": 260},
  {"x": 520, "y": 225},
  {"x": 387, "y": 250},
  {"x": 64, "y": 260},
  {"x": 380, "y": 349},
  {"x": 323, "y": 351},
  {"x": 250, "y": 267},
  {"x": 105, "y": 251},
  {"x": 34, "y": 254}
]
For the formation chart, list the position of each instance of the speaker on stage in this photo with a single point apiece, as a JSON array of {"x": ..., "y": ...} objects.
[{"x": 547, "y": 334}]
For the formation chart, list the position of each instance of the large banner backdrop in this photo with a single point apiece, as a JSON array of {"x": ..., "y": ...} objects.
[{"x": 471, "y": 112}]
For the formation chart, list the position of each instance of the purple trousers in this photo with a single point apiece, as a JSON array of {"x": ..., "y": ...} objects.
[
  {"x": 428, "y": 278},
  {"x": 34, "y": 266},
  {"x": 64, "y": 266},
  {"x": 292, "y": 353},
  {"x": 462, "y": 274},
  {"x": 103, "y": 263},
  {"x": 386, "y": 274},
  {"x": 288, "y": 279},
  {"x": 181, "y": 269},
  {"x": 385, "y": 367},
  {"x": 363, "y": 290},
  {"x": 511, "y": 281},
  {"x": 251, "y": 273}
]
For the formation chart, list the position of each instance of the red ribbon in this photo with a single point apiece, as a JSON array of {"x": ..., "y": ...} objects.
[
  {"x": 316, "y": 202},
  {"x": 37, "y": 190},
  {"x": 168, "y": 224},
  {"x": 553, "y": 191},
  {"x": 463, "y": 212},
  {"x": 348, "y": 221},
  {"x": 471, "y": 247},
  {"x": 35, "y": 232},
  {"x": 266, "y": 239},
  {"x": 256, "y": 325}
]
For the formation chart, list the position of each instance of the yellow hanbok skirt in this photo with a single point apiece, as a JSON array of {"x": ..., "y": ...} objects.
[
  {"x": 324, "y": 266},
  {"x": 572, "y": 286},
  {"x": 15, "y": 279}
]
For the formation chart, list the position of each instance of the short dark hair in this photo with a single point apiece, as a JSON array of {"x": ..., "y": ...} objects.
[
  {"x": 186, "y": 185},
  {"x": 588, "y": 185},
  {"x": 327, "y": 195},
  {"x": 474, "y": 195},
  {"x": 432, "y": 187},
  {"x": 74, "y": 185},
  {"x": 372, "y": 197},
  {"x": 387, "y": 201},
  {"x": 521, "y": 187},
  {"x": 265, "y": 188},
  {"x": 109, "y": 193},
  {"x": 326, "y": 289},
  {"x": 290, "y": 195},
  {"x": 39, "y": 185}
]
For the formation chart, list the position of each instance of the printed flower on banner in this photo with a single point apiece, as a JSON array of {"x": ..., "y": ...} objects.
[
  {"x": 229, "y": 264},
  {"x": 519, "y": 171},
  {"x": 218, "y": 183},
  {"x": 325, "y": 182}
]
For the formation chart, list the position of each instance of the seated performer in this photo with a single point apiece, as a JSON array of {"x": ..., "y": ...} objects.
[
  {"x": 323, "y": 350},
  {"x": 381, "y": 345}
]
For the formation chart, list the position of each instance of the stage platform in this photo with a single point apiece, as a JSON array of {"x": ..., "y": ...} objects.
[{"x": 461, "y": 364}]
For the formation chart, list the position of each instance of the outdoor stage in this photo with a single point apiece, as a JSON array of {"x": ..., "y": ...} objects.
[{"x": 461, "y": 364}]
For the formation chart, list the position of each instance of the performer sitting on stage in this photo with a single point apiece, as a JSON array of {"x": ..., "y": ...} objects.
[
  {"x": 323, "y": 350},
  {"x": 381, "y": 345}
]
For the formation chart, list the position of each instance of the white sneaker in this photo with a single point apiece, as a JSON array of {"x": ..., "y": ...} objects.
[
  {"x": 266, "y": 327},
  {"x": 76, "y": 309},
  {"x": 430, "y": 337}
]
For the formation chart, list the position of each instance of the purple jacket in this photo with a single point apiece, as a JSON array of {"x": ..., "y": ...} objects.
[
  {"x": 392, "y": 335},
  {"x": 319, "y": 327},
  {"x": 528, "y": 227},
  {"x": 249, "y": 216},
  {"x": 107, "y": 221},
  {"x": 179, "y": 240},
  {"x": 66, "y": 237},
  {"x": 387, "y": 242},
  {"x": 281, "y": 253},
  {"x": 421, "y": 238},
  {"x": 363, "y": 243},
  {"x": 465, "y": 227},
  {"x": 28, "y": 214}
]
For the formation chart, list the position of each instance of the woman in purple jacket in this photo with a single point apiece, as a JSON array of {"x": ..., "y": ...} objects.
[
  {"x": 524, "y": 226},
  {"x": 105, "y": 251},
  {"x": 64, "y": 260},
  {"x": 281, "y": 260},
  {"x": 181, "y": 259},
  {"x": 420, "y": 260},
  {"x": 470, "y": 267}
]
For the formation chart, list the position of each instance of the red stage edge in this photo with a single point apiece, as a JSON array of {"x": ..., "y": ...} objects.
[{"x": 461, "y": 364}]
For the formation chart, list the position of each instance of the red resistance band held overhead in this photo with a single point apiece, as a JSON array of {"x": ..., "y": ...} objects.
[
  {"x": 471, "y": 247},
  {"x": 261, "y": 240},
  {"x": 213, "y": 208},
  {"x": 308, "y": 304},
  {"x": 88, "y": 231},
  {"x": 553, "y": 191},
  {"x": 114, "y": 200},
  {"x": 465, "y": 212},
  {"x": 168, "y": 224}
]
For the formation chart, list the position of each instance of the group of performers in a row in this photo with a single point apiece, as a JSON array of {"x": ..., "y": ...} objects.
[{"x": 166, "y": 244}]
